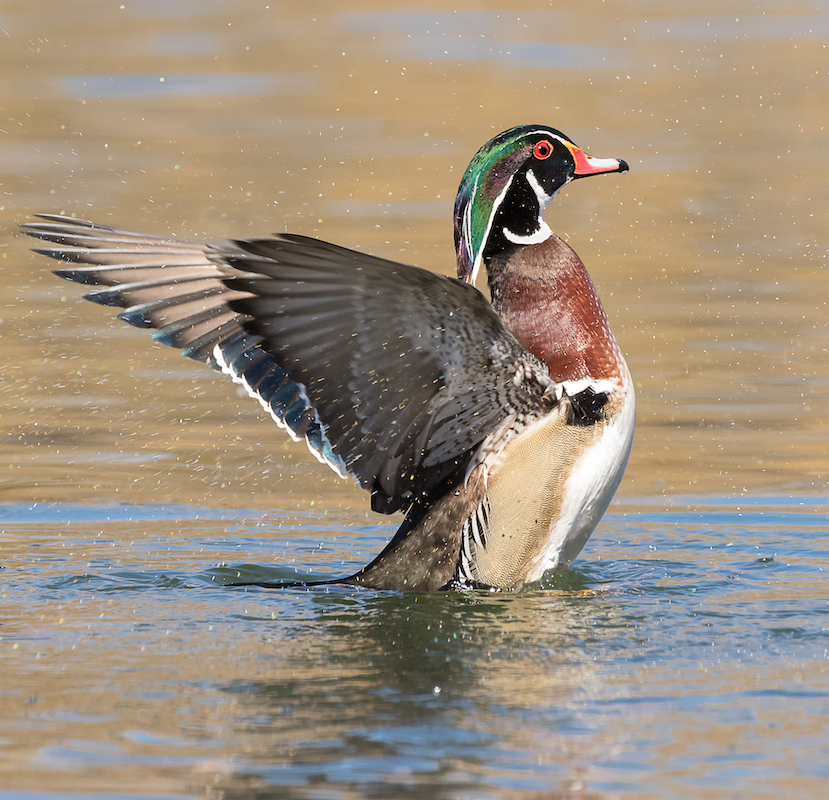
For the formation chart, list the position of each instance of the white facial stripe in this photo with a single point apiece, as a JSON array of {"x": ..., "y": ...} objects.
[
  {"x": 548, "y": 134},
  {"x": 467, "y": 232},
  {"x": 476, "y": 264}
]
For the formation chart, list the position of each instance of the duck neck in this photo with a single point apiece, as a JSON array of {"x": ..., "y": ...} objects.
[{"x": 545, "y": 297}]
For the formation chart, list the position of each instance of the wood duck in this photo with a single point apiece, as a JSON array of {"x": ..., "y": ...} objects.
[{"x": 501, "y": 429}]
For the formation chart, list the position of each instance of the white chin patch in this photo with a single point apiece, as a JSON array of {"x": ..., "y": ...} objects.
[
  {"x": 536, "y": 237},
  {"x": 542, "y": 232},
  {"x": 543, "y": 198}
]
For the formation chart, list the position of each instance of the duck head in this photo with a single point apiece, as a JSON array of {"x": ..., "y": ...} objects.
[{"x": 508, "y": 185}]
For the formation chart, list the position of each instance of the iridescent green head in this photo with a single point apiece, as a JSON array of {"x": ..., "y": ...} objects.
[{"x": 508, "y": 185}]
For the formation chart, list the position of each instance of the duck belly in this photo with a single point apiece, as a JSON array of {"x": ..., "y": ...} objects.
[{"x": 546, "y": 496}]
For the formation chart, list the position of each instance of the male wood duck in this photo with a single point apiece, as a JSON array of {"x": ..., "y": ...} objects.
[{"x": 501, "y": 429}]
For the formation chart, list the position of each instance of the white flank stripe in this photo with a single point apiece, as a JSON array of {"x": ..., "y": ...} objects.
[{"x": 598, "y": 386}]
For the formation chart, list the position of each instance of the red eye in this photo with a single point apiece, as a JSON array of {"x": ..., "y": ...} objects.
[{"x": 542, "y": 150}]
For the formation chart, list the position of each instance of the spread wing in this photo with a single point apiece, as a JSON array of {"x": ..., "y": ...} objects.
[{"x": 392, "y": 374}]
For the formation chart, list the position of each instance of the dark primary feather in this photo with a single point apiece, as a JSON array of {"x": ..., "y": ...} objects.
[
  {"x": 160, "y": 281},
  {"x": 392, "y": 373}
]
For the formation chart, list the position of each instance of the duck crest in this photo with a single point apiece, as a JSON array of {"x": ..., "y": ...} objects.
[
  {"x": 501, "y": 430},
  {"x": 481, "y": 192}
]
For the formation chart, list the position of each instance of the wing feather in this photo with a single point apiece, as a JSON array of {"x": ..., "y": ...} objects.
[{"x": 391, "y": 373}]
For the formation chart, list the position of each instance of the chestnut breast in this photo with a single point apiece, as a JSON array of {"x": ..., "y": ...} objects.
[{"x": 546, "y": 298}]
